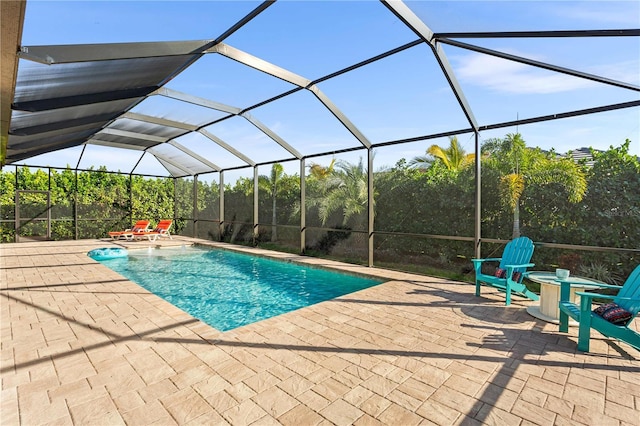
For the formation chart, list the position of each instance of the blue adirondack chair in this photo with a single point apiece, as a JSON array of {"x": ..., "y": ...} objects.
[
  {"x": 514, "y": 261},
  {"x": 628, "y": 297}
]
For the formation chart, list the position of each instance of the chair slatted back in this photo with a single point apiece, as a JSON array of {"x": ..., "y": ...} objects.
[
  {"x": 517, "y": 252},
  {"x": 631, "y": 289},
  {"x": 140, "y": 225},
  {"x": 163, "y": 226}
]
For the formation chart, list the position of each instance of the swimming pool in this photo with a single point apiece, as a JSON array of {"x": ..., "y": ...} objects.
[{"x": 226, "y": 289}]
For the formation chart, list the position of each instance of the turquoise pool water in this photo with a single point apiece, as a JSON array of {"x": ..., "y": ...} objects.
[{"x": 227, "y": 289}]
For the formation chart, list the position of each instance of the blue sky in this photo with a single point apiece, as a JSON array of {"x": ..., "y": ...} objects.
[{"x": 399, "y": 97}]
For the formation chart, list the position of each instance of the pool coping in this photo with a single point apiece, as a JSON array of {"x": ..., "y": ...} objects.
[
  {"x": 335, "y": 268},
  {"x": 80, "y": 345}
]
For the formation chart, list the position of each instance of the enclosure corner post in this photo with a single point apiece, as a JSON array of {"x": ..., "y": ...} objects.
[
  {"x": 16, "y": 213},
  {"x": 221, "y": 208},
  {"x": 255, "y": 205},
  {"x": 75, "y": 204},
  {"x": 194, "y": 213},
  {"x": 49, "y": 212},
  {"x": 303, "y": 209},
  {"x": 130, "y": 198},
  {"x": 478, "y": 212},
  {"x": 175, "y": 199},
  {"x": 370, "y": 204},
  {"x": 49, "y": 205}
]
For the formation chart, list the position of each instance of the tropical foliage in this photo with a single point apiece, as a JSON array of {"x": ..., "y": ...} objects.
[
  {"x": 100, "y": 200},
  {"x": 344, "y": 192},
  {"x": 423, "y": 215},
  {"x": 521, "y": 167},
  {"x": 271, "y": 185},
  {"x": 453, "y": 158}
]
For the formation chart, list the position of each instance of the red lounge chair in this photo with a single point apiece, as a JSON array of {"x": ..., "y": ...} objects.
[
  {"x": 161, "y": 230},
  {"x": 140, "y": 226}
]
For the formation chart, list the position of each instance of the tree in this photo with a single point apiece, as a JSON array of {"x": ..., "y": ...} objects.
[
  {"x": 611, "y": 208},
  {"x": 319, "y": 181},
  {"x": 520, "y": 167},
  {"x": 320, "y": 172},
  {"x": 270, "y": 184},
  {"x": 347, "y": 190},
  {"x": 453, "y": 158}
]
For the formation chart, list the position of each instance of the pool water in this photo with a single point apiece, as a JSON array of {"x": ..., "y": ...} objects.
[{"x": 227, "y": 289}]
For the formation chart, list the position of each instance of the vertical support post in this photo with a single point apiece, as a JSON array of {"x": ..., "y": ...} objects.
[
  {"x": 49, "y": 204},
  {"x": 84, "y": 147},
  {"x": 75, "y": 204},
  {"x": 221, "y": 207},
  {"x": 195, "y": 206},
  {"x": 49, "y": 212},
  {"x": 478, "y": 215},
  {"x": 255, "y": 205},
  {"x": 303, "y": 209},
  {"x": 16, "y": 232},
  {"x": 370, "y": 204},
  {"x": 175, "y": 200},
  {"x": 130, "y": 198},
  {"x": 15, "y": 207}
]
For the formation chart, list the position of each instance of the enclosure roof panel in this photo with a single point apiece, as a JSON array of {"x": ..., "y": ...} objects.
[
  {"x": 244, "y": 84},
  {"x": 88, "y": 87}
]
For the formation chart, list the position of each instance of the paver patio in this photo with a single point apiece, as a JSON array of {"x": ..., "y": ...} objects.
[{"x": 81, "y": 345}]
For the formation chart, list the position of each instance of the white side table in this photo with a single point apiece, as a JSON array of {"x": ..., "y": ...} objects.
[{"x": 550, "y": 294}]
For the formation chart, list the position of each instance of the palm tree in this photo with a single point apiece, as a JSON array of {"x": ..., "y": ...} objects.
[
  {"x": 269, "y": 184},
  {"x": 454, "y": 158},
  {"x": 320, "y": 172},
  {"x": 521, "y": 166},
  {"x": 347, "y": 191}
]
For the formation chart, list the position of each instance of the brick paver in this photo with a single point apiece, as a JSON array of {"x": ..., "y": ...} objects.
[{"x": 81, "y": 345}]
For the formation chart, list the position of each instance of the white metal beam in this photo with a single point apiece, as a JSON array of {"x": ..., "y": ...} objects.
[
  {"x": 414, "y": 23},
  {"x": 259, "y": 64},
  {"x": 228, "y": 147},
  {"x": 196, "y": 100},
  {"x": 159, "y": 121},
  {"x": 162, "y": 157},
  {"x": 94, "y": 141},
  {"x": 133, "y": 135},
  {"x": 194, "y": 155},
  {"x": 340, "y": 116},
  {"x": 267, "y": 131}
]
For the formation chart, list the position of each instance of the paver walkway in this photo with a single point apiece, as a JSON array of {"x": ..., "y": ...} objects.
[{"x": 81, "y": 345}]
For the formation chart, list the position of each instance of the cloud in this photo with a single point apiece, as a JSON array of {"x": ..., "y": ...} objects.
[
  {"x": 615, "y": 13},
  {"x": 501, "y": 75},
  {"x": 626, "y": 71}
]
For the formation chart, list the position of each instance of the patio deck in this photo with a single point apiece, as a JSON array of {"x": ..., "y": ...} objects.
[{"x": 81, "y": 345}]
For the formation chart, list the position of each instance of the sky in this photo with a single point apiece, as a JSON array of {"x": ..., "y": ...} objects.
[{"x": 402, "y": 96}]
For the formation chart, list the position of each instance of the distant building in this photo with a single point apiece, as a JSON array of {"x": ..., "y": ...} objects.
[
  {"x": 582, "y": 154},
  {"x": 578, "y": 154}
]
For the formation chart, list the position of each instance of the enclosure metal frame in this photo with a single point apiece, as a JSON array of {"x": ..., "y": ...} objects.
[
  {"x": 425, "y": 36},
  {"x": 371, "y": 232}
]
